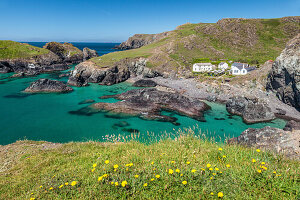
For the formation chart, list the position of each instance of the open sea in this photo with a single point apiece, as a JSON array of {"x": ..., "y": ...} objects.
[{"x": 47, "y": 116}]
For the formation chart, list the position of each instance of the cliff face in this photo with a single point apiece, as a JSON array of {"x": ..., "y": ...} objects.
[
  {"x": 284, "y": 78},
  {"x": 139, "y": 40}
]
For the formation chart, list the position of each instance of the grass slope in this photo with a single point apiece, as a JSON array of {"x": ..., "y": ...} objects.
[
  {"x": 10, "y": 50},
  {"x": 184, "y": 168},
  {"x": 247, "y": 40}
]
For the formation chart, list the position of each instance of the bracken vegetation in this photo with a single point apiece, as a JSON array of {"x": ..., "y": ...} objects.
[{"x": 187, "y": 167}]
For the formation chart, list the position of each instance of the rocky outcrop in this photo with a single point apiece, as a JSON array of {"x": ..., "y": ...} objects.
[
  {"x": 273, "y": 139},
  {"x": 139, "y": 40},
  {"x": 88, "y": 72},
  {"x": 284, "y": 78},
  {"x": 144, "y": 83},
  {"x": 251, "y": 110},
  {"x": 292, "y": 125},
  {"x": 89, "y": 53},
  {"x": 47, "y": 85}
]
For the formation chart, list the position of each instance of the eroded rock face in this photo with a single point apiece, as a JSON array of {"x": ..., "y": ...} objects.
[
  {"x": 144, "y": 83},
  {"x": 251, "y": 110},
  {"x": 47, "y": 85},
  {"x": 89, "y": 53},
  {"x": 273, "y": 139},
  {"x": 292, "y": 125},
  {"x": 284, "y": 78}
]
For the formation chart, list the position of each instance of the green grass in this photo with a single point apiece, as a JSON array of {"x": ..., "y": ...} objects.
[
  {"x": 10, "y": 50},
  {"x": 233, "y": 173}
]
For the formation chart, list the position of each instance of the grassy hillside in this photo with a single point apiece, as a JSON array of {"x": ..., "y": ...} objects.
[
  {"x": 10, "y": 50},
  {"x": 247, "y": 40},
  {"x": 184, "y": 168}
]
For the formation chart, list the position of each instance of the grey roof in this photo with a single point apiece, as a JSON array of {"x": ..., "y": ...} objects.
[
  {"x": 239, "y": 65},
  {"x": 250, "y": 68}
]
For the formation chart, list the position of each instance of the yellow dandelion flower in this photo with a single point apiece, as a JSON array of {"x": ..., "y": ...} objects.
[
  {"x": 228, "y": 166},
  {"x": 211, "y": 193},
  {"x": 258, "y": 150},
  {"x": 253, "y": 160},
  {"x": 106, "y": 162},
  {"x": 61, "y": 186},
  {"x": 66, "y": 183},
  {"x": 32, "y": 198},
  {"x": 171, "y": 171},
  {"x": 265, "y": 168},
  {"x": 41, "y": 186},
  {"x": 263, "y": 163},
  {"x": 259, "y": 171},
  {"x": 188, "y": 162},
  {"x": 220, "y": 194},
  {"x": 208, "y": 165},
  {"x": 172, "y": 162},
  {"x": 214, "y": 174},
  {"x": 152, "y": 163},
  {"x": 136, "y": 176},
  {"x": 116, "y": 166},
  {"x": 127, "y": 169},
  {"x": 116, "y": 183},
  {"x": 51, "y": 188},
  {"x": 211, "y": 178},
  {"x": 220, "y": 149},
  {"x": 105, "y": 175},
  {"x": 112, "y": 183},
  {"x": 74, "y": 183},
  {"x": 177, "y": 170},
  {"x": 211, "y": 169},
  {"x": 145, "y": 184},
  {"x": 152, "y": 179},
  {"x": 130, "y": 164},
  {"x": 224, "y": 156},
  {"x": 220, "y": 172},
  {"x": 274, "y": 172},
  {"x": 202, "y": 169},
  {"x": 193, "y": 170},
  {"x": 31, "y": 193},
  {"x": 217, "y": 169},
  {"x": 93, "y": 169},
  {"x": 100, "y": 178},
  {"x": 94, "y": 165},
  {"x": 124, "y": 183},
  {"x": 157, "y": 176},
  {"x": 184, "y": 182},
  {"x": 278, "y": 175}
]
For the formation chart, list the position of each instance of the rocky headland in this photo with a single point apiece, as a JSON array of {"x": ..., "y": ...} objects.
[{"x": 47, "y": 86}]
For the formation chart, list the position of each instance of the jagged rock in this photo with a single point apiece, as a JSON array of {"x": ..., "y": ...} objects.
[
  {"x": 89, "y": 53},
  {"x": 47, "y": 85},
  {"x": 284, "y": 78},
  {"x": 64, "y": 75},
  {"x": 86, "y": 101},
  {"x": 144, "y": 83},
  {"x": 292, "y": 125},
  {"x": 273, "y": 139},
  {"x": 251, "y": 110}
]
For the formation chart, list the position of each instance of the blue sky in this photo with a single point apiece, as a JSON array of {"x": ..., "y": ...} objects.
[{"x": 116, "y": 20}]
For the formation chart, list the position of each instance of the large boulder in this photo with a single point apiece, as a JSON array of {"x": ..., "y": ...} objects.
[
  {"x": 284, "y": 78},
  {"x": 250, "y": 109},
  {"x": 89, "y": 53},
  {"x": 292, "y": 125},
  {"x": 47, "y": 85},
  {"x": 144, "y": 83},
  {"x": 273, "y": 139}
]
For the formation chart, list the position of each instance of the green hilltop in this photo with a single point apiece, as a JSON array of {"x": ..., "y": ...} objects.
[{"x": 246, "y": 40}]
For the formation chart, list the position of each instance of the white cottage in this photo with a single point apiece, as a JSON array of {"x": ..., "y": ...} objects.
[
  {"x": 203, "y": 67},
  {"x": 240, "y": 69},
  {"x": 223, "y": 66}
]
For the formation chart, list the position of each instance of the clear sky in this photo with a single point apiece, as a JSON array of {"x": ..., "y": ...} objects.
[{"x": 116, "y": 20}]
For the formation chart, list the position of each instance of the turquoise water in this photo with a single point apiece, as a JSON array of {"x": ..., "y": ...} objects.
[{"x": 47, "y": 117}]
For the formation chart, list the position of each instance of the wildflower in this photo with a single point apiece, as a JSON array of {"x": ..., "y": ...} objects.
[
  {"x": 265, "y": 168},
  {"x": 152, "y": 163},
  {"x": 129, "y": 165},
  {"x": 214, "y": 174},
  {"x": 105, "y": 175},
  {"x": 94, "y": 165},
  {"x": 220, "y": 194},
  {"x": 211, "y": 178},
  {"x": 211, "y": 169},
  {"x": 263, "y": 163},
  {"x": 177, "y": 170},
  {"x": 259, "y": 171},
  {"x": 253, "y": 160},
  {"x": 181, "y": 174},
  {"x": 51, "y": 188},
  {"x": 152, "y": 179},
  {"x": 184, "y": 182},
  {"x": 188, "y": 162},
  {"x": 157, "y": 176},
  {"x": 100, "y": 178},
  {"x": 274, "y": 172},
  {"x": 32, "y": 198},
  {"x": 66, "y": 183},
  {"x": 202, "y": 169},
  {"x": 220, "y": 149},
  {"x": 212, "y": 193},
  {"x": 93, "y": 169},
  {"x": 228, "y": 166},
  {"x": 224, "y": 156},
  {"x": 112, "y": 183},
  {"x": 217, "y": 169},
  {"x": 278, "y": 175},
  {"x": 61, "y": 186},
  {"x": 145, "y": 185},
  {"x": 193, "y": 170},
  {"x": 106, "y": 162},
  {"x": 41, "y": 186},
  {"x": 124, "y": 183},
  {"x": 171, "y": 171},
  {"x": 127, "y": 169},
  {"x": 136, "y": 176},
  {"x": 258, "y": 150},
  {"x": 172, "y": 162},
  {"x": 116, "y": 183},
  {"x": 154, "y": 169},
  {"x": 74, "y": 183},
  {"x": 208, "y": 165},
  {"x": 116, "y": 166},
  {"x": 220, "y": 172}
]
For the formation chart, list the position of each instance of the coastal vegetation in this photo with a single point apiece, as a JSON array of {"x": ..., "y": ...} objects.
[
  {"x": 11, "y": 50},
  {"x": 187, "y": 167}
]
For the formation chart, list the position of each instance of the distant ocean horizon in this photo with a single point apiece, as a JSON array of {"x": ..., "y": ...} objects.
[{"x": 101, "y": 47}]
